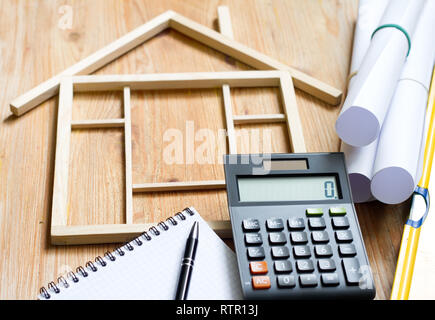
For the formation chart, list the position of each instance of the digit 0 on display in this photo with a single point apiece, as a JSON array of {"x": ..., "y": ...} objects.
[{"x": 329, "y": 189}]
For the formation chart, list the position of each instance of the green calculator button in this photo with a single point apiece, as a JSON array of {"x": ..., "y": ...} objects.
[
  {"x": 314, "y": 212},
  {"x": 337, "y": 211}
]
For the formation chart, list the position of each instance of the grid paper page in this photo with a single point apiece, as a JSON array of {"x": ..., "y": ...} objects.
[{"x": 151, "y": 270}]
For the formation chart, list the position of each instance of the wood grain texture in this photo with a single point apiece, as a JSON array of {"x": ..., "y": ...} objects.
[
  {"x": 311, "y": 35},
  {"x": 96, "y": 181}
]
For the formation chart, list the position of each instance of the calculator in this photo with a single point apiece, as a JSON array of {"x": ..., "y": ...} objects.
[{"x": 295, "y": 229}]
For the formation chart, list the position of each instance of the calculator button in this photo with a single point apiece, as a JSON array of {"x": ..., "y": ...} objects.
[
  {"x": 330, "y": 279},
  {"x": 301, "y": 251},
  {"x": 258, "y": 267},
  {"x": 253, "y": 239},
  {"x": 277, "y": 238},
  {"x": 250, "y": 225},
  {"x": 256, "y": 253},
  {"x": 343, "y": 236},
  {"x": 298, "y": 237},
  {"x": 320, "y": 237},
  {"x": 260, "y": 282},
  {"x": 280, "y": 252},
  {"x": 286, "y": 281},
  {"x": 304, "y": 266},
  {"x": 337, "y": 211},
  {"x": 326, "y": 265},
  {"x": 351, "y": 269},
  {"x": 283, "y": 266},
  {"x": 316, "y": 223},
  {"x": 308, "y": 280},
  {"x": 314, "y": 212},
  {"x": 340, "y": 223},
  {"x": 323, "y": 250},
  {"x": 274, "y": 224},
  {"x": 296, "y": 224},
  {"x": 347, "y": 250}
]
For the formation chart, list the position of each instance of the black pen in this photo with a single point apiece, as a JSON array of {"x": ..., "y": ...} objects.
[{"x": 187, "y": 263}]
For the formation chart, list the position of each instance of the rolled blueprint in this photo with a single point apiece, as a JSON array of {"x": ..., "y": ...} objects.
[
  {"x": 369, "y": 97},
  {"x": 359, "y": 163},
  {"x": 398, "y": 159},
  {"x": 369, "y": 14},
  {"x": 359, "y": 160}
]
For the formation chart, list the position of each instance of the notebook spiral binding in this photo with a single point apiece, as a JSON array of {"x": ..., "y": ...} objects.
[{"x": 91, "y": 266}]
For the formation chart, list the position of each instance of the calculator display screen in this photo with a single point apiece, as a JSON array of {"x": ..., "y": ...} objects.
[{"x": 287, "y": 188}]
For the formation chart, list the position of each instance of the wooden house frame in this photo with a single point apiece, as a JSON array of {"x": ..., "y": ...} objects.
[
  {"x": 61, "y": 233},
  {"x": 73, "y": 80}
]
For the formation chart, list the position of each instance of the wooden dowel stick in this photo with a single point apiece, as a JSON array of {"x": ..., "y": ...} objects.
[
  {"x": 294, "y": 125},
  {"x": 61, "y": 166},
  {"x": 232, "y": 143},
  {"x": 164, "y": 81},
  {"x": 224, "y": 21},
  {"x": 128, "y": 165},
  {"x": 96, "y": 124},
  {"x": 179, "y": 186},
  {"x": 259, "y": 118},
  {"x": 116, "y": 233}
]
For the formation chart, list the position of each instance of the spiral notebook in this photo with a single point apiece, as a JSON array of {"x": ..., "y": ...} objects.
[{"x": 148, "y": 267}]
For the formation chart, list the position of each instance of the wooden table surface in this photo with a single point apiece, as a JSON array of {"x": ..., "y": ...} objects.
[{"x": 38, "y": 40}]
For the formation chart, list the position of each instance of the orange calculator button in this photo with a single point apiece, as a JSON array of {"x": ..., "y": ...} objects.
[
  {"x": 261, "y": 282},
  {"x": 258, "y": 267}
]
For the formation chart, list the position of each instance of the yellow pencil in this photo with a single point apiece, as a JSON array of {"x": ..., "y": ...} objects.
[{"x": 418, "y": 212}]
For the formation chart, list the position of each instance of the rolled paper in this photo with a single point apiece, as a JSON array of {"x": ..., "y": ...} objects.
[
  {"x": 359, "y": 160},
  {"x": 369, "y": 14},
  {"x": 359, "y": 163},
  {"x": 369, "y": 97},
  {"x": 397, "y": 166}
]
